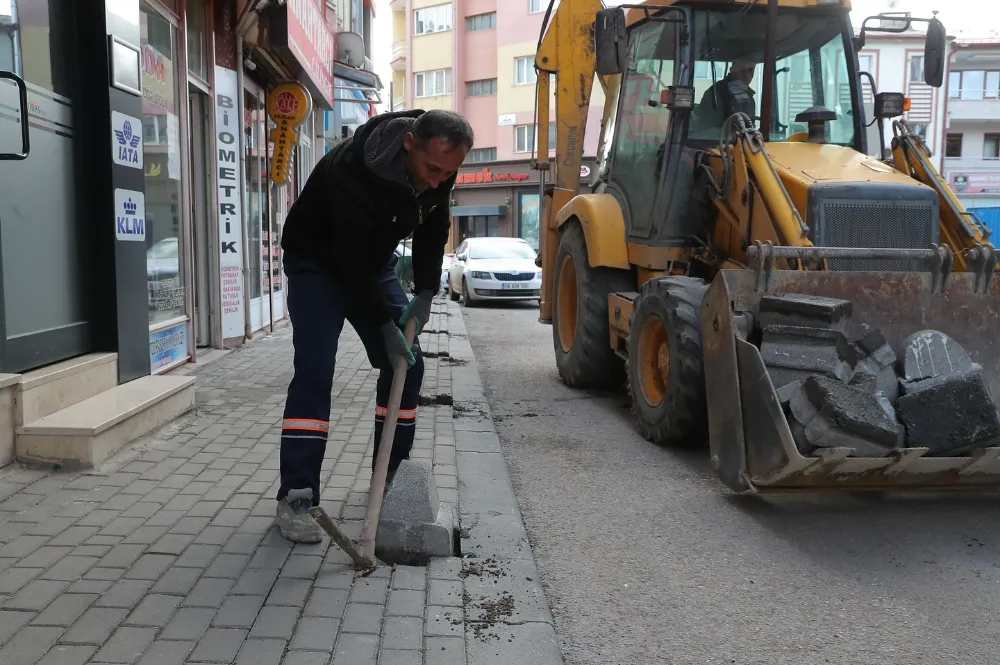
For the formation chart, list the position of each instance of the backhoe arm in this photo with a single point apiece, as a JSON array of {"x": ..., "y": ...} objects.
[
  {"x": 566, "y": 50},
  {"x": 961, "y": 230},
  {"x": 750, "y": 196}
]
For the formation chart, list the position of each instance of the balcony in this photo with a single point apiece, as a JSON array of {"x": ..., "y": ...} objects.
[
  {"x": 397, "y": 5},
  {"x": 398, "y": 103},
  {"x": 398, "y": 59},
  {"x": 975, "y": 110}
]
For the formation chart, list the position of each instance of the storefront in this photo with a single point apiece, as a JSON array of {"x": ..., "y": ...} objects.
[
  {"x": 134, "y": 74},
  {"x": 502, "y": 199},
  {"x": 291, "y": 42}
]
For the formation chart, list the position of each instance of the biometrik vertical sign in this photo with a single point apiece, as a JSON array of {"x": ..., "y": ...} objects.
[{"x": 227, "y": 127}]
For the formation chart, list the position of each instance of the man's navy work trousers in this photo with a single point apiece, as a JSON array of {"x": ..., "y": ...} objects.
[{"x": 318, "y": 305}]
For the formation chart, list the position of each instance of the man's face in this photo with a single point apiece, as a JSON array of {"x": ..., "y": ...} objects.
[
  {"x": 745, "y": 74},
  {"x": 434, "y": 162}
]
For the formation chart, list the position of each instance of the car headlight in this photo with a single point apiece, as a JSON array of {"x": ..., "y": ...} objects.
[
  {"x": 479, "y": 274},
  {"x": 538, "y": 275}
]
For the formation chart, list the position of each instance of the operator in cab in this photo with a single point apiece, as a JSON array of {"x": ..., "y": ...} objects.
[
  {"x": 392, "y": 178},
  {"x": 732, "y": 94}
]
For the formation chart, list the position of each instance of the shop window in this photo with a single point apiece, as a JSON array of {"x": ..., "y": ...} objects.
[
  {"x": 161, "y": 158},
  {"x": 477, "y": 155},
  {"x": 432, "y": 83},
  {"x": 197, "y": 34},
  {"x": 432, "y": 19},
  {"x": 258, "y": 203},
  {"x": 524, "y": 70},
  {"x": 486, "y": 21},
  {"x": 482, "y": 226},
  {"x": 991, "y": 146},
  {"x": 524, "y": 137},
  {"x": 481, "y": 88},
  {"x": 953, "y": 146},
  {"x": 528, "y": 216}
]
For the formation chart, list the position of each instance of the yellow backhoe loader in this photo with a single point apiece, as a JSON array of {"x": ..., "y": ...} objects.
[{"x": 823, "y": 319}]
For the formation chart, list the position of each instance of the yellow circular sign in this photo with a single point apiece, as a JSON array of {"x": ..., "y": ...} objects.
[{"x": 289, "y": 103}]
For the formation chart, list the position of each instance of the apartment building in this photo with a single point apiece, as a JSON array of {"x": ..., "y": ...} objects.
[
  {"x": 972, "y": 147},
  {"x": 357, "y": 88},
  {"x": 896, "y": 63},
  {"x": 476, "y": 57}
]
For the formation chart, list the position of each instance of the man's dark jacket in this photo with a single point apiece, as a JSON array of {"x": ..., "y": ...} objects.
[{"x": 356, "y": 207}]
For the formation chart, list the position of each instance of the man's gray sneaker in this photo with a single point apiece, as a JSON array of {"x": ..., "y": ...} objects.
[{"x": 293, "y": 518}]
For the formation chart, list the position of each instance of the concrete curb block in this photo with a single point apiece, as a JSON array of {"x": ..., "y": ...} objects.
[{"x": 499, "y": 569}]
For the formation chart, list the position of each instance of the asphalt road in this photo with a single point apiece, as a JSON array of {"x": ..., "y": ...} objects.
[{"x": 646, "y": 558}]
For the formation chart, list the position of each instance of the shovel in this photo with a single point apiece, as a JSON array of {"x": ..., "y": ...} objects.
[{"x": 362, "y": 553}]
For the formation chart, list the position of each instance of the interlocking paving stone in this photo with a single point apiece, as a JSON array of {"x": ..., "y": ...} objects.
[{"x": 167, "y": 554}]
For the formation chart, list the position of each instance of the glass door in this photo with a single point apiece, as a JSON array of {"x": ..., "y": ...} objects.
[
  {"x": 257, "y": 200},
  {"x": 44, "y": 316},
  {"x": 198, "y": 121}
]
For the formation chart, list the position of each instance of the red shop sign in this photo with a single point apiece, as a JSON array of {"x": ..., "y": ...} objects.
[
  {"x": 310, "y": 39},
  {"x": 487, "y": 176}
]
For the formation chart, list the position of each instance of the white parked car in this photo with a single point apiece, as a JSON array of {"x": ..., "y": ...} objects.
[
  {"x": 446, "y": 262},
  {"x": 494, "y": 269}
]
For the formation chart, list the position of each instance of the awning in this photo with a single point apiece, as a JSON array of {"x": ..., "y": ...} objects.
[
  {"x": 362, "y": 77},
  {"x": 471, "y": 211}
]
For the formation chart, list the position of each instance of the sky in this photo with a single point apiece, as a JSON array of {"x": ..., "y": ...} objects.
[{"x": 962, "y": 18}]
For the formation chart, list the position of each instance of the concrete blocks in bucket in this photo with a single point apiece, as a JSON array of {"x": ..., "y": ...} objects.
[{"x": 414, "y": 526}]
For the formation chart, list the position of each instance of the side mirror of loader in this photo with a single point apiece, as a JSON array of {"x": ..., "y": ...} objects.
[
  {"x": 610, "y": 41},
  {"x": 934, "y": 53}
]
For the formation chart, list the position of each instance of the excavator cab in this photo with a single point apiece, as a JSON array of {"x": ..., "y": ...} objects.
[{"x": 819, "y": 317}]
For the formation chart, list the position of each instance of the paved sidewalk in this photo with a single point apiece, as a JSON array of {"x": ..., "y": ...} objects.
[{"x": 166, "y": 555}]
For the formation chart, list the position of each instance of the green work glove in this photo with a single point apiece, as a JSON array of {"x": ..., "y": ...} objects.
[
  {"x": 395, "y": 345},
  {"x": 419, "y": 309}
]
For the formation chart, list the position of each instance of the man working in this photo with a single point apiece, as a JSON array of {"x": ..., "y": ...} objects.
[
  {"x": 732, "y": 94},
  {"x": 392, "y": 178}
]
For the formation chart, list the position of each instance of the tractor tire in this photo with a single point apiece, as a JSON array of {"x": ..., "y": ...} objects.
[
  {"x": 580, "y": 333},
  {"x": 665, "y": 367}
]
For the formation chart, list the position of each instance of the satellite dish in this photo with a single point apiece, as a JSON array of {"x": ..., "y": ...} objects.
[{"x": 351, "y": 49}]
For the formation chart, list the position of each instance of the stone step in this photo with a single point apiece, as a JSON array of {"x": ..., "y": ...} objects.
[
  {"x": 45, "y": 391},
  {"x": 87, "y": 433}
]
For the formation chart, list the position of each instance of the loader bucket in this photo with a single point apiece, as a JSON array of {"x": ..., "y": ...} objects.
[{"x": 752, "y": 444}]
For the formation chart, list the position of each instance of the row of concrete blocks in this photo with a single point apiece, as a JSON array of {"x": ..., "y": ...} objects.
[{"x": 860, "y": 394}]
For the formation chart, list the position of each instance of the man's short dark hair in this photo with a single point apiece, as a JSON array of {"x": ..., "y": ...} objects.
[{"x": 445, "y": 125}]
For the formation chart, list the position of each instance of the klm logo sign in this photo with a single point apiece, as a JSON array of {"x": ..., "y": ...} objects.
[
  {"x": 126, "y": 140},
  {"x": 130, "y": 215}
]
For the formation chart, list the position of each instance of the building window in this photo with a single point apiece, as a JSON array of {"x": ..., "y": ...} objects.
[
  {"x": 481, "y": 155},
  {"x": 432, "y": 83},
  {"x": 481, "y": 88},
  {"x": 917, "y": 69},
  {"x": 524, "y": 70},
  {"x": 535, "y": 6},
  {"x": 524, "y": 137},
  {"x": 197, "y": 35},
  {"x": 486, "y": 21},
  {"x": 432, "y": 19},
  {"x": 991, "y": 146},
  {"x": 974, "y": 84},
  {"x": 162, "y": 157},
  {"x": 953, "y": 145}
]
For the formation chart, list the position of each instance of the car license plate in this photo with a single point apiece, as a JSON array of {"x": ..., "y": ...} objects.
[{"x": 510, "y": 285}]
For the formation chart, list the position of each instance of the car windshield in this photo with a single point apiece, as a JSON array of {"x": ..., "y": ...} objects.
[
  {"x": 501, "y": 250},
  {"x": 810, "y": 70}
]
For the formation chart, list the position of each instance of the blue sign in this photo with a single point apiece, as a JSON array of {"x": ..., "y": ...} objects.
[
  {"x": 167, "y": 346},
  {"x": 130, "y": 215},
  {"x": 126, "y": 140}
]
